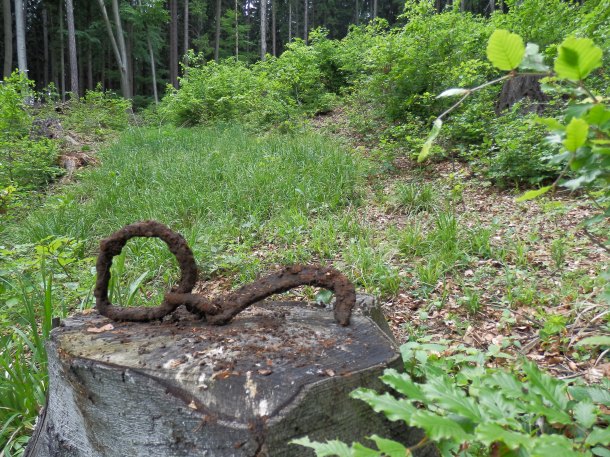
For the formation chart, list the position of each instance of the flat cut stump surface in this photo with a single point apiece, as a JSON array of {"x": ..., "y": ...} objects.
[{"x": 182, "y": 387}]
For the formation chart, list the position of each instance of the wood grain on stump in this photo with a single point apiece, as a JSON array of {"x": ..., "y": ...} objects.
[{"x": 184, "y": 388}]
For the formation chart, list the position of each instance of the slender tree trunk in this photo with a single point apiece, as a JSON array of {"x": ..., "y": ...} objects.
[
  {"x": 305, "y": 22},
  {"x": 173, "y": 42},
  {"x": 357, "y": 12},
  {"x": 186, "y": 27},
  {"x": 89, "y": 67},
  {"x": 492, "y": 6},
  {"x": 20, "y": 32},
  {"x": 129, "y": 58},
  {"x": 8, "y": 38},
  {"x": 462, "y": 5},
  {"x": 236, "y": 31},
  {"x": 374, "y": 9},
  {"x": 289, "y": 21},
  {"x": 62, "y": 53},
  {"x": 72, "y": 49},
  {"x": 153, "y": 69},
  {"x": 119, "y": 54},
  {"x": 45, "y": 44},
  {"x": 217, "y": 38},
  {"x": 273, "y": 28},
  {"x": 263, "y": 12},
  {"x": 312, "y": 21}
]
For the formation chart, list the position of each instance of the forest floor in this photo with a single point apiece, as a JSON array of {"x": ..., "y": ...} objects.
[{"x": 534, "y": 286}]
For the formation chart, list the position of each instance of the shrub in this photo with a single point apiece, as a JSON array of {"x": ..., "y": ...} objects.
[{"x": 468, "y": 406}]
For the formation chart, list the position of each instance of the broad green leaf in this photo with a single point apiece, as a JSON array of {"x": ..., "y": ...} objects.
[
  {"x": 577, "y": 58},
  {"x": 585, "y": 413},
  {"x": 402, "y": 383},
  {"x": 394, "y": 408},
  {"x": 452, "y": 92},
  {"x": 390, "y": 448},
  {"x": 425, "y": 150},
  {"x": 330, "y": 448},
  {"x": 598, "y": 115},
  {"x": 361, "y": 451},
  {"x": 576, "y": 134},
  {"x": 599, "y": 436},
  {"x": 551, "y": 123},
  {"x": 601, "y": 451},
  {"x": 549, "y": 388},
  {"x": 531, "y": 194},
  {"x": 438, "y": 427},
  {"x": 533, "y": 60},
  {"x": 489, "y": 433},
  {"x": 594, "y": 341},
  {"x": 555, "y": 446},
  {"x": 442, "y": 392},
  {"x": 505, "y": 50}
]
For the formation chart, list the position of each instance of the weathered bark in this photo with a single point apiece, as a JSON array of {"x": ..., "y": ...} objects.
[
  {"x": 20, "y": 35},
  {"x": 263, "y": 14},
  {"x": 183, "y": 388},
  {"x": 8, "y": 37},
  {"x": 173, "y": 43},
  {"x": 72, "y": 49},
  {"x": 217, "y": 35},
  {"x": 522, "y": 87}
]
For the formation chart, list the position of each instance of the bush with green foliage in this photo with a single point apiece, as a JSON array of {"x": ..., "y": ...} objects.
[
  {"x": 469, "y": 405},
  {"x": 25, "y": 162}
]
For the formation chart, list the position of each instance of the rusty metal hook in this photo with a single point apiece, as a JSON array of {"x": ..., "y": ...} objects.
[{"x": 218, "y": 310}]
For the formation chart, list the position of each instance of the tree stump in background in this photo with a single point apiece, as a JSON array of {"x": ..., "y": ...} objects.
[
  {"x": 180, "y": 387},
  {"x": 519, "y": 88}
]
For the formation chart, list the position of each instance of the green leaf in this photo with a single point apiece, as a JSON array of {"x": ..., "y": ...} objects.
[
  {"x": 599, "y": 436},
  {"x": 438, "y": 427},
  {"x": 330, "y": 448},
  {"x": 531, "y": 194},
  {"x": 402, "y": 383},
  {"x": 442, "y": 392},
  {"x": 505, "y": 50},
  {"x": 549, "y": 389},
  {"x": 596, "y": 394},
  {"x": 361, "y": 451},
  {"x": 601, "y": 451},
  {"x": 554, "y": 445},
  {"x": 577, "y": 58},
  {"x": 576, "y": 134},
  {"x": 452, "y": 92},
  {"x": 601, "y": 340},
  {"x": 394, "y": 408},
  {"x": 489, "y": 433},
  {"x": 598, "y": 115},
  {"x": 425, "y": 150},
  {"x": 533, "y": 60},
  {"x": 551, "y": 123},
  {"x": 585, "y": 413},
  {"x": 390, "y": 448}
]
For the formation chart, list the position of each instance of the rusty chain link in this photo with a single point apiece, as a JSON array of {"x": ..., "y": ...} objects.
[{"x": 217, "y": 310}]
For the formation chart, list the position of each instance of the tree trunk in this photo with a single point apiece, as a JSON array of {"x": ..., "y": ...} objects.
[
  {"x": 357, "y": 12},
  {"x": 263, "y": 14},
  {"x": 289, "y": 21},
  {"x": 186, "y": 27},
  {"x": 236, "y": 30},
  {"x": 173, "y": 42},
  {"x": 273, "y": 28},
  {"x": 492, "y": 6},
  {"x": 62, "y": 53},
  {"x": 153, "y": 69},
  {"x": 72, "y": 50},
  {"x": 374, "y": 9},
  {"x": 20, "y": 33},
  {"x": 305, "y": 22},
  {"x": 217, "y": 38},
  {"x": 45, "y": 44},
  {"x": 8, "y": 38},
  {"x": 119, "y": 54},
  {"x": 183, "y": 387}
]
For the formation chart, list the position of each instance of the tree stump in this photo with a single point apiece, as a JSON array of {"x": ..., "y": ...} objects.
[{"x": 181, "y": 387}]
